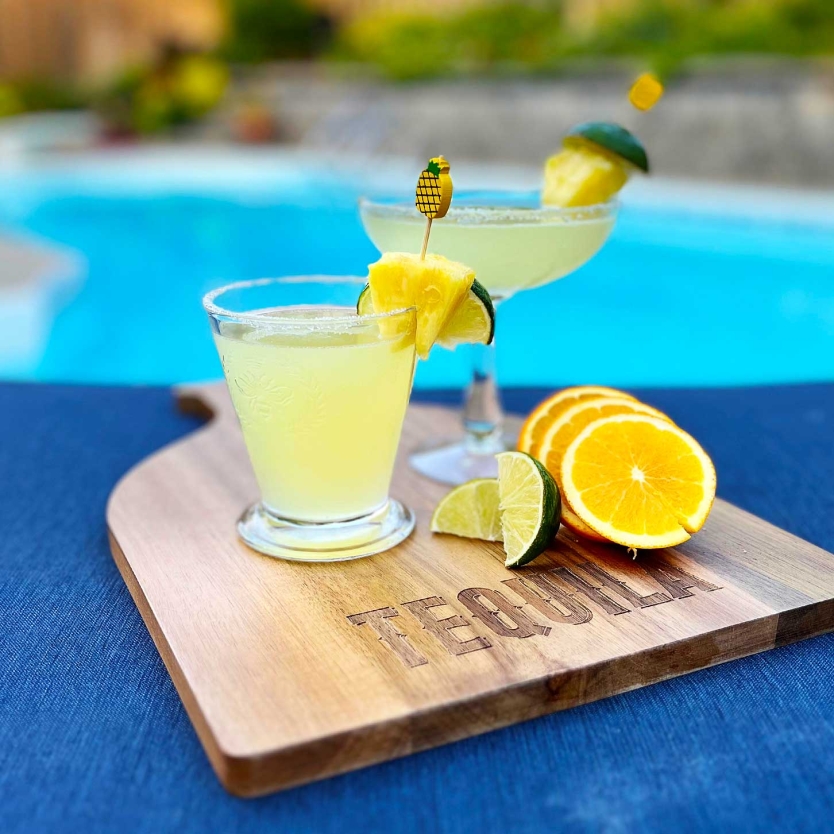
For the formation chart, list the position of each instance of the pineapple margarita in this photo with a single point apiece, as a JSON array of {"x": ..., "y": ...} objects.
[
  {"x": 510, "y": 241},
  {"x": 513, "y": 241},
  {"x": 320, "y": 393}
]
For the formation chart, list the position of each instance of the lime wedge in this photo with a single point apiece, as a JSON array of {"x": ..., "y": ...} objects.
[
  {"x": 522, "y": 508},
  {"x": 530, "y": 507},
  {"x": 473, "y": 321},
  {"x": 611, "y": 138},
  {"x": 365, "y": 304},
  {"x": 471, "y": 511}
]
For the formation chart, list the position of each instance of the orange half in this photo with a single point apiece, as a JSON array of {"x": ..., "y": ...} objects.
[
  {"x": 567, "y": 427},
  {"x": 548, "y": 410},
  {"x": 638, "y": 480}
]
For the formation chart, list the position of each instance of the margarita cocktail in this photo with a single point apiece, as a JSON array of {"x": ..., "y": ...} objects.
[
  {"x": 321, "y": 394},
  {"x": 513, "y": 243}
]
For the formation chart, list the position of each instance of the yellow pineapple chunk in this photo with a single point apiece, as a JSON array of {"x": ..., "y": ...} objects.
[
  {"x": 436, "y": 286},
  {"x": 582, "y": 176},
  {"x": 645, "y": 92}
]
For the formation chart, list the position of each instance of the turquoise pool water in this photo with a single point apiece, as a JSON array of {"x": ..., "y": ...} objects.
[{"x": 679, "y": 296}]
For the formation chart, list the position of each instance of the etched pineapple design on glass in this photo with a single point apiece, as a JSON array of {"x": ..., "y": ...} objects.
[{"x": 268, "y": 397}]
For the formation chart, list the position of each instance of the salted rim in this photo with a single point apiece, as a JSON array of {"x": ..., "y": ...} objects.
[
  {"x": 267, "y": 315},
  {"x": 495, "y": 215}
]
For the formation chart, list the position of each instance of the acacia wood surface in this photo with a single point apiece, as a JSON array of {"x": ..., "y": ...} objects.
[{"x": 291, "y": 672}]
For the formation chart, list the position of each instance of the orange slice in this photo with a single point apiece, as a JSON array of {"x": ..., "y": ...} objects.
[
  {"x": 638, "y": 480},
  {"x": 576, "y": 525},
  {"x": 545, "y": 412},
  {"x": 567, "y": 427}
]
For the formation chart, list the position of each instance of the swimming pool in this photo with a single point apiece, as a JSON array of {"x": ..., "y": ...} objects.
[{"x": 695, "y": 286}]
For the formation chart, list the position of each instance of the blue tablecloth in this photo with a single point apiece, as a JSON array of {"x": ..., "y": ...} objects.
[{"x": 93, "y": 736}]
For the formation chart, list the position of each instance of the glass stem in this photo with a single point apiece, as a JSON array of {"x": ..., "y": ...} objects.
[{"x": 483, "y": 417}]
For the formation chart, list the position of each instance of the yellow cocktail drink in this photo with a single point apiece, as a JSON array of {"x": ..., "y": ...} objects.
[
  {"x": 321, "y": 413},
  {"x": 510, "y": 249},
  {"x": 321, "y": 394}
]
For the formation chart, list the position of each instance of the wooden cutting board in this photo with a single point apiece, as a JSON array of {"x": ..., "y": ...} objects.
[{"x": 292, "y": 672}]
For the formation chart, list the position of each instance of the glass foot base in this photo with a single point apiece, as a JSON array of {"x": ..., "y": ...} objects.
[
  {"x": 456, "y": 462},
  {"x": 331, "y": 542}
]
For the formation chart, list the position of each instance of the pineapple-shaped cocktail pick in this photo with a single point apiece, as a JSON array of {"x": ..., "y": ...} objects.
[{"x": 434, "y": 194}]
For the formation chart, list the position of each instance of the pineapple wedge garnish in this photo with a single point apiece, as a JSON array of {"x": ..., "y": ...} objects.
[
  {"x": 595, "y": 163},
  {"x": 436, "y": 286},
  {"x": 581, "y": 176}
]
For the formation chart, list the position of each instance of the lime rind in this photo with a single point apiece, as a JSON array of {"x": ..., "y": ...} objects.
[{"x": 612, "y": 138}]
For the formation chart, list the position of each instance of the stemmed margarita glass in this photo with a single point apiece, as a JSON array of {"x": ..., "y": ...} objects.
[{"x": 513, "y": 243}]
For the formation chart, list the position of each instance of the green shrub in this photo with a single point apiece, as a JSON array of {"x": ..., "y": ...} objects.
[
  {"x": 264, "y": 30},
  {"x": 179, "y": 90},
  {"x": 406, "y": 46},
  {"x": 10, "y": 102},
  {"x": 508, "y": 33},
  {"x": 27, "y": 95},
  {"x": 662, "y": 33},
  {"x": 403, "y": 46}
]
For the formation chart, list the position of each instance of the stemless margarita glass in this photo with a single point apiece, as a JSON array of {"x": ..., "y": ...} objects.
[
  {"x": 321, "y": 394},
  {"x": 513, "y": 243}
]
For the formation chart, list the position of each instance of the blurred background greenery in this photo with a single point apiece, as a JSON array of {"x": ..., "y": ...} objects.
[
  {"x": 147, "y": 66},
  {"x": 541, "y": 37}
]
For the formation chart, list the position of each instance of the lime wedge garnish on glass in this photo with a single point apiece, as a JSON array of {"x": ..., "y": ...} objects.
[
  {"x": 529, "y": 504},
  {"x": 365, "y": 304},
  {"x": 471, "y": 511},
  {"x": 472, "y": 322}
]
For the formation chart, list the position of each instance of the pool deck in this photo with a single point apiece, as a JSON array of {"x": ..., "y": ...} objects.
[
  {"x": 94, "y": 738},
  {"x": 33, "y": 274},
  {"x": 26, "y": 263}
]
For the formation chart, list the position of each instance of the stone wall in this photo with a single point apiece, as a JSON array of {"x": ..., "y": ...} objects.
[{"x": 759, "y": 122}]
